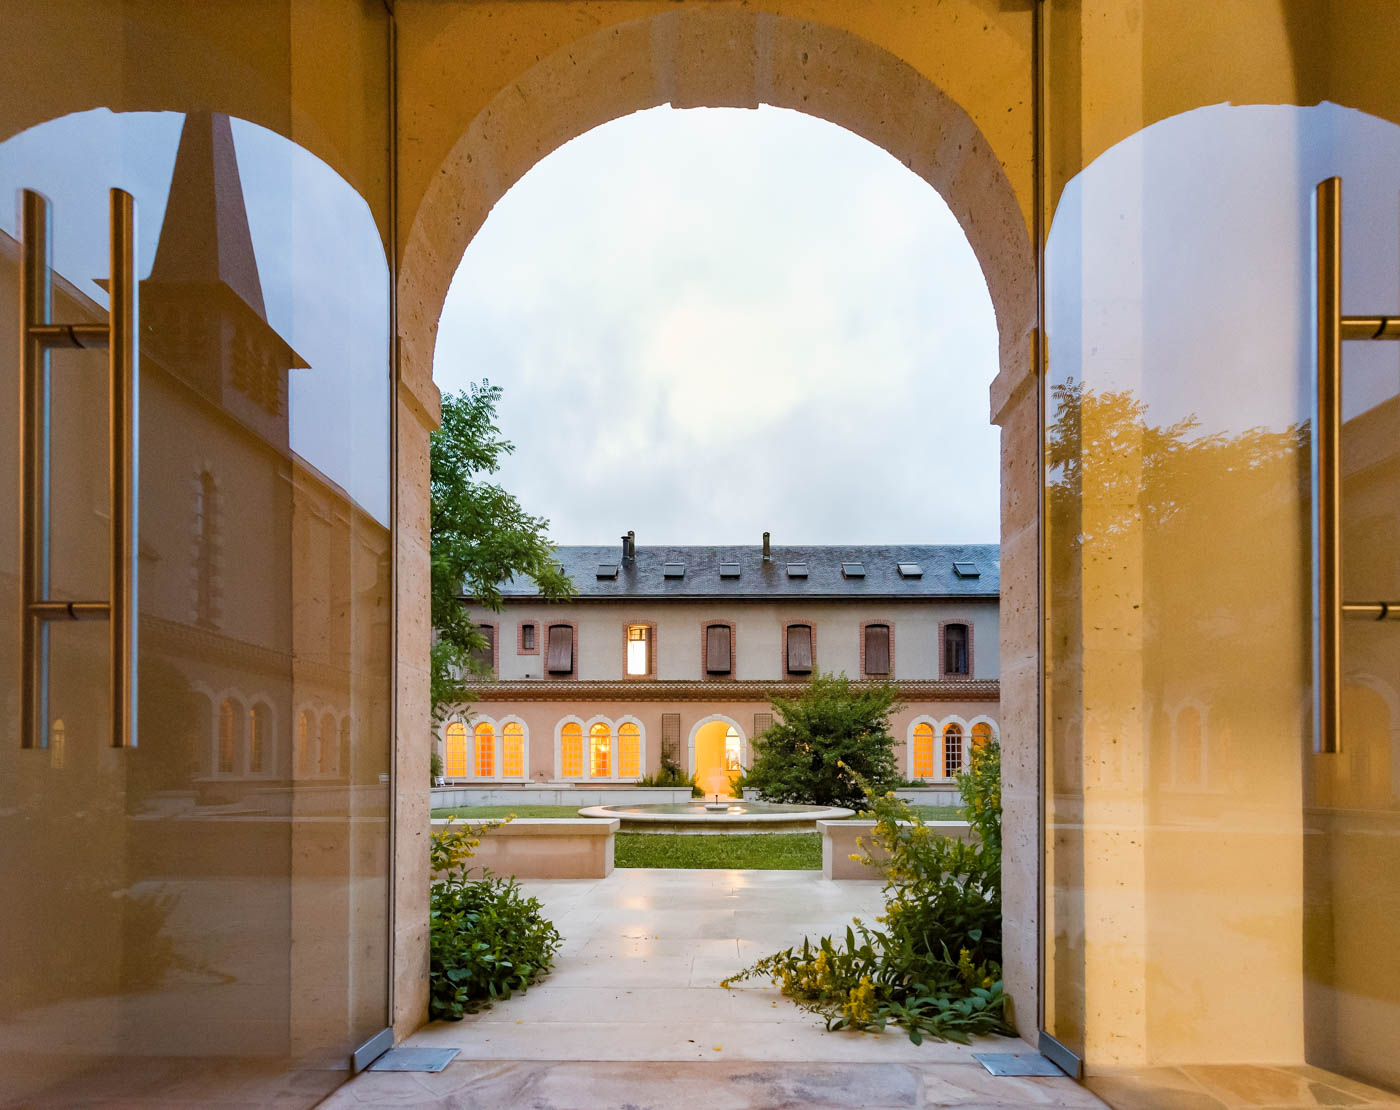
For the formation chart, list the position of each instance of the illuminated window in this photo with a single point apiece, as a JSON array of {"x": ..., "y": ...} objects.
[
  {"x": 638, "y": 650},
  {"x": 257, "y": 739},
  {"x": 327, "y": 757},
  {"x": 923, "y": 751},
  {"x": 981, "y": 735},
  {"x": 952, "y": 750},
  {"x": 513, "y": 750},
  {"x": 58, "y": 740},
  {"x": 733, "y": 750},
  {"x": 304, "y": 744},
  {"x": 454, "y": 751},
  {"x": 599, "y": 751},
  {"x": 228, "y": 721},
  {"x": 629, "y": 750},
  {"x": 485, "y": 737},
  {"x": 571, "y": 750}
]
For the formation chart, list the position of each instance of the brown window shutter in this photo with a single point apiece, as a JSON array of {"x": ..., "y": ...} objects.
[
  {"x": 561, "y": 650},
  {"x": 955, "y": 649},
  {"x": 671, "y": 738},
  {"x": 717, "y": 654},
  {"x": 651, "y": 650},
  {"x": 762, "y": 722},
  {"x": 877, "y": 649},
  {"x": 799, "y": 649}
]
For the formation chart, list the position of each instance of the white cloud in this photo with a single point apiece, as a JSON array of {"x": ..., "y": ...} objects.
[{"x": 713, "y": 322}]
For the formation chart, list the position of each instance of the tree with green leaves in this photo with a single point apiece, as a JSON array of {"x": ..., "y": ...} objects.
[
  {"x": 480, "y": 537},
  {"x": 824, "y": 742}
]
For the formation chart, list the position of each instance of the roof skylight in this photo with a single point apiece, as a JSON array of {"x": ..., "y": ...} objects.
[
  {"x": 673, "y": 570},
  {"x": 910, "y": 570},
  {"x": 966, "y": 570},
  {"x": 853, "y": 570},
  {"x": 797, "y": 570},
  {"x": 607, "y": 570},
  {"x": 729, "y": 570}
]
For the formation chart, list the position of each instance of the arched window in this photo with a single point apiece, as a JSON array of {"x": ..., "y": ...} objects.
[
  {"x": 733, "y": 750},
  {"x": 923, "y": 751},
  {"x": 454, "y": 755},
  {"x": 952, "y": 750},
  {"x": 304, "y": 744},
  {"x": 981, "y": 735},
  {"x": 485, "y": 750},
  {"x": 513, "y": 750},
  {"x": 229, "y": 720},
  {"x": 257, "y": 739},
  {"x": 571, "y": 750},
  {"x": 58, "y": 741},
  {"x": 205, "y": 541},
  {"x": 629, "y": 750},
  {"x": 599, "y": 751},
  {"x": 326, "y": 760}
]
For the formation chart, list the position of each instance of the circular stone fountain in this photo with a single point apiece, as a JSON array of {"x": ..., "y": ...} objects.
[{"x": 731, "y": 816}]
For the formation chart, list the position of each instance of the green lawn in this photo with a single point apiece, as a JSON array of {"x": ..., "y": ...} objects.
[
  {"x": 739, "y": 851},
  {"x": 937, "y": 813},
  {"x": 476, "y": 813}
]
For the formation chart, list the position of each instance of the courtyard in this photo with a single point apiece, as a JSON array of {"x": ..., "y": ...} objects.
[{"x": 634, "y": 1015}]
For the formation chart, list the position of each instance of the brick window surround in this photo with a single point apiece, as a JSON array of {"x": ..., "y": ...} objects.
[
  {"x": 705, "y": 674},
  {"x": 520, "y": 648},
  {"x": 877, "y": 623},
  {"x": 495, "y": 644},
  {"x": 942, "y": 648},
  {"x": 544, "y": 634},
  {"x": 787, "y": 674},
  {"x": 652, "y": 646}
]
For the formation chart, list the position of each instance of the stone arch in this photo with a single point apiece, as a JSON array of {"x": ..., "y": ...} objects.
[
  {"x": 722, "y": 58},
  {"x": 714, "y": 718}
]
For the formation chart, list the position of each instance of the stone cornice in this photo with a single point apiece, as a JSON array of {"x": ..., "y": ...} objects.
[{"x": 979, "y": 690}]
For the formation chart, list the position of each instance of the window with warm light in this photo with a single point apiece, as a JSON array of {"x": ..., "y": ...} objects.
[
  {"x": 513, "y": 750},
  {"x": 733, "y": 750},
  {"x": 923, "y": 751},
  {"x": 629, "y": 750},
  {"x": 952, "y": 750},
  {"x": 484, "y": 748},
  {"x": 454, "y": 755},
  {"x": 981, "y": 735},
  {"x": 599, "y": 751},
  {"x": 571, "y": 750},
  {"x": 638, "y": 650}
]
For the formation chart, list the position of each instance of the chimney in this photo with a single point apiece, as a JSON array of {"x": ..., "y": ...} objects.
[
  {"x": 767, "y": 549},
  {"x": 629, "y": 547}
]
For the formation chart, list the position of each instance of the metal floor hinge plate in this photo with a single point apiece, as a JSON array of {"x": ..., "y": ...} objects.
[
  {"x": 1017, "y": 1063},
  {"x": 410, "y": 1058}
]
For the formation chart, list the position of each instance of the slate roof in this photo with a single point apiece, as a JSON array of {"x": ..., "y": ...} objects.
[{"x": 644, "y": 577}]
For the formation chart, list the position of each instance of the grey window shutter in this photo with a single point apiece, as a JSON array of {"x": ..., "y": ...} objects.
[
  {"x": 799, "y": 649},
  {"x": 561, "y": 649},
  {"x": 717, "y": 654},
  {"x": 671, "y": 738},
  {"x": 762, "y": 722},
  {"x": 877, "y": 649}
]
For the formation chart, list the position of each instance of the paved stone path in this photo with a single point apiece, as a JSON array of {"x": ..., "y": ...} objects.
[{"x": 633, "y": 1015}]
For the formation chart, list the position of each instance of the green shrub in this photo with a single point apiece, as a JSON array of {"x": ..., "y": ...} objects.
[
  {"x": 671, "y": 775},
  {"x": 934, "y": 964},
  {"x": 824, "y": 742},
  {"x": 487, "y": 939},
  {"x": 434, "y": 767}
]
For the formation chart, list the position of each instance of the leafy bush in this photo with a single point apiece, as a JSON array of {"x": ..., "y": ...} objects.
[
  {"x": 671, "y": 775},
  {"x": 934, "y": 965},
  {"x": 487, "y": 939},
  {"x": 434, "y": 767},
  {"x": 824, "y": 742}
]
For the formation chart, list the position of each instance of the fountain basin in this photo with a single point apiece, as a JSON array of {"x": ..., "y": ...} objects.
[{"x": 736, "y": 816}]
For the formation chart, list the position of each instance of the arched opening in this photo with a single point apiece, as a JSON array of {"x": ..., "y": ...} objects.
[
  {"x": 719, "y": 757},
  {"x": 454, "y": 754}
]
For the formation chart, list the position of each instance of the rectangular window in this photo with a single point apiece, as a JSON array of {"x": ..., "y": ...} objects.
[
  {"x": 485, "y": 658},
  {"x": 718, "y": 656},
  {"x": 955, "y": 661},
  {"x": 560, "y": 659},
  {"x": 527, "y": 637},
  {"x": 877, "y": 649},
  {"x": 799, "y": 649},
  {"x": 638, "y": 650},
  {"x": 671, "y": 738}
]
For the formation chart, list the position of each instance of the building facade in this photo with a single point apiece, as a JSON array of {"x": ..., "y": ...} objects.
[{"x": 668, "y": 656}]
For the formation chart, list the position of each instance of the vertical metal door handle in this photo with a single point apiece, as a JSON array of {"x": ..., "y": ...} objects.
[
  {"x": 38, "y": 336},
  {"x": 1328, "y": 607}
]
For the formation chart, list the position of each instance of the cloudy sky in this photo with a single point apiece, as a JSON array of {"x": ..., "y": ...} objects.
[{"x": 715, "y": 322}]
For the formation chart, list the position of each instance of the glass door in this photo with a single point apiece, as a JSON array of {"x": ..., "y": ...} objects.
[
  {"x": 197, "y": 889},
  {"x": 1222, "y": 890}
]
